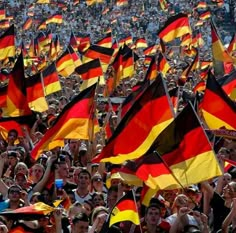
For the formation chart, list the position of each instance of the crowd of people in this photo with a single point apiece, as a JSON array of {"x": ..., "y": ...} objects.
[{"x": 89, "y": 190}]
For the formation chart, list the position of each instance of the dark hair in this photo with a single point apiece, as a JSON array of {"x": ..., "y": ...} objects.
[
  {"x": 152, "y": 206},
  {"x": 85, "y": 171},
  {"x": 113, "y": 188},
  {"x": 80, "y": 217},
  {"x": 13, "y": 131}
]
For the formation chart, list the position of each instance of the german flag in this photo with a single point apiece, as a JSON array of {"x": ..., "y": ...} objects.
[
  {"x": 232, "y": 45},
  {"x": 106, "y": 41},
  {"x": 17, "y": 104},
  {"x": 201, "y": 5},
  {"x": 133, "y": 96},
  {"x": 199, "y": 87},
  {"x": 27, "y": 24},
  {"x": 147, "y": 194},
  {"x": 205, "y": 15},
  {"x": 126, "y": 40},
  {"x": 73, "y": 41},
  {"x": 103, "y": 53},
  {"x": 176, "y": 26},
  {"x": 56, "y": 18},
  {"x": 123, "y": 145},
  {"x": 51, "y": 79},
  {"x": 2, "y": 14},
  {"x": 75, "y": 56},
  {"x": 173, "y": 160},
  {"x": 219, "y": 53},
  {"x": 121, "y": 3},
  {"x": 150, "y": 50},
  {"x": 174, "y": 97},
  {"x": 83, "y": 43},
  {"x": 63, "y": 62},
  {"x": 125, "y": 210},
  {"x": 217, "y": 108},
  {"x": 228, "y": 82},
  {"x": 4, "y": 24},
  {"x": 35, "y": 93},
  {"x": 42, "y": 25},
  {"x": 90, "y": 69},
  {"x": 43, "y": 1},
  {"x": 72, "y": 123},
  {"x": 186, "y": 40},
  {"x": 57, "y": 45},
  {"x": 52, "y": 51},
  {"x": 162, "y": 64},
  {"x": 128, "y": 64},
  {"x": 117, "y": 66},
  {"x": 197, "y": 40},
  {"x": 18, "y": 123},
  {"x": 38, "y": 209},
  {"x": 199, "y": 23},
  {"x": 141, "y": 43},
  {"x": 152, "y": 70},
  {"x": 7, "y": 43}
]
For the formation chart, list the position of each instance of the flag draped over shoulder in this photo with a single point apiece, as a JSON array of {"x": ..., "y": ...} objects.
[
  {"x": 177, "y": 155},
  {"x": 176, "y": 26},
  {"x": 217, "y": 108},
  {"x": 125, "y": 210},
  {"x": 72, "y": 123},
  {"x": 7, "y": 43},
  {"x": 149, "y": 115},
  {"x": 17, "y": 104}
]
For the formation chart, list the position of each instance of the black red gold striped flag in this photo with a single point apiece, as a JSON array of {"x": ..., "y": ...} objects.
[
  {"x": 7, "y": 43},
  {"x": 90, "y": 69},
  {"x": 162, "y": 64},
  {"x": 56, "y": 18},
  {"x": 217, "y": 108},
  {"x": 232, "y": 45},
  {"x": 172, "y": 160},
  {"x": 2, "y": 13},
  {"x": 123, "y": 145},
  {"x": 205, "y": 15},
  {"x": 219, "y": 53},
  {"x": 73, "y": 123},
  {"x": 17, "y": 104},
  {"x": 51, "y": 79},
  {"x": 175, "y": 27},
  {"x": 228, "y": 82},
  {"x": 35, "y": 93},
  {"x": 125, "y": 210},
  {"x": 27, "y": 24},
  {"x": 106, "y": 41}
]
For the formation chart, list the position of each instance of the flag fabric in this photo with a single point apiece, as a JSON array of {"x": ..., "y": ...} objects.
[
  {"x": 2, "y": 14},
  {"x": 228, "y": 82},
  {"x": 73, "y": 123},
  {"x": 149, "y": 115},
  {"x": 35, "y": 93},
  {"x": 205, "y": 15},
  {"x": 128, "y": 64},
  {"x": 162, "y": 64},
  {"x": 51, "y": 80},
  {"x": 163, "y": 5},
  {"x": 152, "y": 70},
  {"x": 232, "y": 45},
  {"x": 43, "y": 1},
  {"x": 174, "y": 97},
  {"x": 17, "y": 104},
  {"x": 3, "y": 96},
  {"x": 125, "y": 210},
  {"x": 199, "y": 87},
  {"x": 141, "y": 43},
  {"x": 106, "y": 41},
  {"x": 27, "y": 24},
  {"x": 56, "y": 18},
  {"x": 103, "y": 53},
  {"x": 172, "y": 162},
  {"x": 217, "y": 108},
  {"x": 147, "y": 194},
  {"x": 121, "y": 3},
  {"x": 90, "y": 69},
  {"x": 19, "y": 123},
  {"x": 63, "y": 62},
  {"x": 4, "y": 24},
  {"x": 202, "y": 5},
  {"x": 150, "y": 50},
  {"x": 7, "y": 43},
  {"x": 176, "y": 26},
  {"x": 37, "y": 209},
  {"x": 219, "y": 53}
]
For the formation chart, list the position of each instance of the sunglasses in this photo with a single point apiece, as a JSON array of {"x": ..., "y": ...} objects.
[
  {"x": 14, "y": 191},
  {"x": 97, "y": 179}
]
